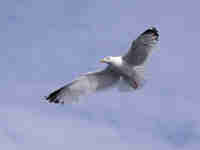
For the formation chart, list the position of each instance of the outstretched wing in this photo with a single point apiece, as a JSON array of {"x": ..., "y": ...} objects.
[
  {"x": 84, "y": 85},
  {"x": 141, "y": 47}
]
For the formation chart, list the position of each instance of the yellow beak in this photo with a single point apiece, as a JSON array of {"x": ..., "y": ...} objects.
[{"x": 102, "y": 60}]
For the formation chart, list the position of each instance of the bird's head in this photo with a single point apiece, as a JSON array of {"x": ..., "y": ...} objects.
[
  {"x": 112, "y": 60},
  {"x": 106, "y": 60}
]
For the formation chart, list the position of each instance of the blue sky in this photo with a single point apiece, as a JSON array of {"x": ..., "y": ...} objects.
[{"x": 46, "y": 43}]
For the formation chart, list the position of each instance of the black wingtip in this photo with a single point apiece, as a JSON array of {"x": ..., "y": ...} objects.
[
  {"x": 51, "y": 100},
  {"x": 54, "y": 97},
  {"x": 152, "y": 30}
]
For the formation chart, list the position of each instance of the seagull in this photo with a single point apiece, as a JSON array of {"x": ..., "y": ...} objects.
[{"x": 126, "y": 71}]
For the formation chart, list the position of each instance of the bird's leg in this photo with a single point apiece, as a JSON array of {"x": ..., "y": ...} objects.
[{"x": 135, "y": 85}]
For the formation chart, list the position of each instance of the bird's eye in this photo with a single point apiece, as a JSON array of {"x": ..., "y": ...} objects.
[{"x": 108, "y": 58}]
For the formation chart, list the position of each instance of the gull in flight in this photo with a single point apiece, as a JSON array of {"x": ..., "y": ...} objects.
[{"x": 126, "y": 71}]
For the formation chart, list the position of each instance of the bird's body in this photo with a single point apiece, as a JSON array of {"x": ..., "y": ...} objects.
[{"x": 128, "y": 68}]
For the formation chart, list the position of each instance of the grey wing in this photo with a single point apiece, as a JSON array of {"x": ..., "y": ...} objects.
[
  {"x": 141, "y": 47},
  {"x": 84, "y": 85}
]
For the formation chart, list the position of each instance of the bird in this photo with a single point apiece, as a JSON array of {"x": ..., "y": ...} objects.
[{"x": 126, "y": 71}]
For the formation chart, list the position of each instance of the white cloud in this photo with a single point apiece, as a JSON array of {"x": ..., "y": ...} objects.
[
  {"x": 118, "y": 124},
  {"x": 27, "y": 129}
]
